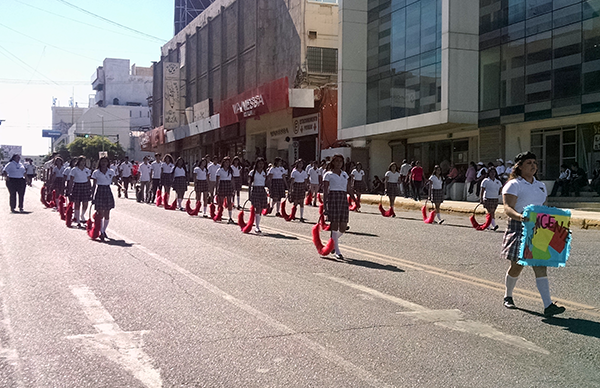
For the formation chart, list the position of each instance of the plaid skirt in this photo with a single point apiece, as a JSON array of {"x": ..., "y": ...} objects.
[
  {"x": 490, "y": 204},
  {"x": 393, "y": 190},
  {"x": 511, "y": 243},
  {"x": 360, "y": 187},
  {"x": 201, "y": 186},
  {"x": 258, "y": 197},
  {"x": 59, "y": 185},
  {"x": 81, "y": 192},
  {"x": 225, "y": 189},
  {"x": 180, "y": 185},
  {"x": 104, "y": 199},
  {"x": 166, "y": 179},
  {"x": 437, "y": 196},
  {"x": 298, "y": 192},
  {"x": 237, "y": 183},
  {"x": 337, "y": 206},
  {"x": 277, "y": 189}
]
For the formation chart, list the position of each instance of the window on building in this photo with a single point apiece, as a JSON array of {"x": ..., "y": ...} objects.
[
  {"x": 324, "y": 1},
  {"x": 322, "y": 60},
  {"x": 489, "y": 82}
]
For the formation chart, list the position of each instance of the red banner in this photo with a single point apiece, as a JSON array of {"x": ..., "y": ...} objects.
[{"x": 270, "y": 97}]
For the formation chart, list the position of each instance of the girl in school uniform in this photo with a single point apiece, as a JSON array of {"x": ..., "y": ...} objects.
[
  {"x": 336, "y": 187},
  {"x": 166, "y": 177},
  {"x": 58, "y": 176},
  {"x": 201, "y": 184},
  {"x": 81, "y": 190},
  {"x": 236, "y": 168},
  {"x": 225, "y": 186},
  {"x": 104, "y": 200},
  {"x": 490, "y": 192},
  {"x": 436, "y": 191},
  {"x": 521, "y": 190},
  {"x": 358, "y": 182},
  {"x": 258, "y": 195},
  {"x": 314, "y": 178},
  {"x": 180, "y": 181},
  {"x": 277, "y": 184},
  {"x": 298, "y": 185},
  {"x": 391, "y": 180},
  {"x": 67, "y": 174},
  {"x": 156, "y": 173}
]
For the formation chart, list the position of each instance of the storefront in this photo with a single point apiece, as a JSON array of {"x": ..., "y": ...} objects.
[{"x": 305, "y": 141}]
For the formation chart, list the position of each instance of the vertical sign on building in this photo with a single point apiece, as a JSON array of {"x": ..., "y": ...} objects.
[{"x": 171, "y": 95}]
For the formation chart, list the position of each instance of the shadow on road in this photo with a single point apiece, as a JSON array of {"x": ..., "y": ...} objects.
[
  {"x": 362, "y": 234},
  {"x": 279, "y": 236},
  {"x": 23, "y": 212},
  {"x": 116, "y": 243},
  {"x": 575, "y": 325},
  {"x": 365, "y": 264},
  {"x": 537, "y": 314}
]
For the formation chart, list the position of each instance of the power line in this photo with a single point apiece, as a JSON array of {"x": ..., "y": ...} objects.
[
  {"x": 41, "y": 82},
  {"x": 110, "y": 21},
  {"x": 26, "y": 64}
]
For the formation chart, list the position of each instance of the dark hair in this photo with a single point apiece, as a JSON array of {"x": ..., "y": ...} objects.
[
  {"x": 334, "y": 157},
  {"x": 229, "y": 170},
  {"x": 392, "y": 164},
  {"x": 358, "y": 164},
  {"x": 259, "y": 159},
  {"x": 79, "y": 160},
  {"x": 299, "y": 161},
  {"x": 236, "y": 159},
  {"x": 100, "y": 161},
  {"x": 167, "y": 156},
  {"x": 519, "y": 159},
  {"x": 494, "y": 171},
  {"x": 200, "y": 163},
  {"x": 57, "y": 159}
]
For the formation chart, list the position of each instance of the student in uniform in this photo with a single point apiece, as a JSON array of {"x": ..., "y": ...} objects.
[
  {"x": 392, "y": 177},
  {"x": 180, "y": 181},
  {"x": 145, "y": 173},
  {"x": 103, "y": 197},
  {"x": 358, "y": 181},
  {"x": 201, "y": 184},
  {"x": 30, "y": 171},
  {"x": 15, "y": 181},
  {"x": 166, "y": 176},
  {"x": 490, "y": 192},
  {"x": 225, "y": 186},
  {"x": 258, "y": 195},
  {"x": 57, "y": 176},
  {"x": 336, "y": 187},
  {"x": 277, "y": 184},
  {"x": 81, "y": 190},
  {"x": 212, "y": 167},
  {"x": 67, "y": 174},
  {"x": 436, "y": 191},
  {"x": 155, "y": 174},
  {"x": 521, "y": 190},
  {"x": 236, "y": 168},
  {"x": 298, "y": 186},
  {"x": 314, "y": 178},
  {"x": 125, "y": 171}
]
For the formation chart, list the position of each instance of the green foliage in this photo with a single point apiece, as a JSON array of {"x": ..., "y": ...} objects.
[{"x": 91, "y": 147}]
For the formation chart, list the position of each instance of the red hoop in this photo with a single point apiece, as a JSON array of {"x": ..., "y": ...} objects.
[{"x": 428, "y": 219}]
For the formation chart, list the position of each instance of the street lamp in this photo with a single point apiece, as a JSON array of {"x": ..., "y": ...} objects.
[{"x": 101, "y": 116}]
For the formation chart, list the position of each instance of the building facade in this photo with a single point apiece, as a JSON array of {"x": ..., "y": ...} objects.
[
  {"x": 454, "y": 81},
  {"x": 248, "y": 78}
]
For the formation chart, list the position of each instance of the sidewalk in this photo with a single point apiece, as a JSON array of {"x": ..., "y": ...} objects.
[{"x": 579, "y": 219}]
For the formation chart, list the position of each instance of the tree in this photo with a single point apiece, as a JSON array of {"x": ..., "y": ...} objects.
[{"x": 92, "y": 146}]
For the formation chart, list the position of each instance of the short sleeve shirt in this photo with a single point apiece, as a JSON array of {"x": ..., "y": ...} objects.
[
  {"x": 179, "y": 171},
  {"x": 14, "y": 170},
  {"x": 223, "y": 174},
  {"x": 259, "y": 178},
  {"x": 314, "y": 174},
  {"x": 436, "y": 183},
  {"x": 527, "y": 193},
  {"x": 277, "y": 172},
  {"x": 492, "y": 188},
  {"x": 200, "y": 173},
  {"x": 59, "y": 172},
  {"x": 357, "y": 175},
  {"x": 145, "y": 172},
  {"x": 168, "y": 168},
  {"x": 236, "y": 170},
  {"x": 79, "y": 175},
  {"x": 125, "y": 169},
  {"x": 156, "y": 169},
  {"x": 212, "y": 171},
  {"x": 103, "y": 179},
  {"x": 299, "y": 176},
  {"x": 336, "y": 182},
  {"x": 392, "y": 176}
]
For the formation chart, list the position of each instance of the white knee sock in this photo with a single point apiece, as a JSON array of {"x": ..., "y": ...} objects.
[
  {"x": 238, "y": 200},
  {"x": 179, "y": 202},
  {"x": 438, "y": 216},
  {"x": 510, "y": 285},
  {"x": 230, "y": 213},
  {"x": 543, "y": 287},
  {"x": 104, "y": 225},
  {"x": 277, "y": 206},
  {"x": 76, "y": 214},
  {"x": 302, "y": 212},
  {"x": 257, "y": 221},
  {"x": 493, "y": 222},
  {"x": 335, "y": 235},
  {"x": 204, "y": 209}
]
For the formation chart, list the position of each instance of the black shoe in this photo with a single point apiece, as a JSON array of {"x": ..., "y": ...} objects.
[
  {"x": 101, "y": 236},
  {"x": 277, "y": 214},
  {"x": 495, "y": 228},
  {"x": 509, "y": 303},
  {"x": 302, "y": 219},
  {"x": 230, "y": 221},
  {"x": 13, "y": 211},
  {"x": 553, "y": 310}
]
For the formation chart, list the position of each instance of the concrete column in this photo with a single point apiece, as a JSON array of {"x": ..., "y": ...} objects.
[
  {"x": 352, "y": 63},
  {"x": 380, "y": 155}
]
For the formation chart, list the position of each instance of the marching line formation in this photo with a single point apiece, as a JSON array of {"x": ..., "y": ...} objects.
[{"x": 216, "y": 186}]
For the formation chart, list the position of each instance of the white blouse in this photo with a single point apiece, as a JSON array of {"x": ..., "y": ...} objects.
[
  {"x": 167, "y": 168},
  {"x": 259, "y": 178},
  {"x": 299, "y": 176},
  {"x": 527, "y": 193},
  {"x": 436, "y": 183},
  {"x": 277, "y": 172},
  {"x": 336, "y": 182},
  {"x": 14, "y": 170},
  {"x": 156, "y": 169},
  {"x": 179, "y": 171},
  {"x": 59, "y": 172},
  {"x": 200, "y": 173},
  {"x": 236, "y": 170},
  {"x": 79, "y": 175},
  {"x": 492, "y": 188},
  {"x": 103, "y": 179},
  {"x": 224, "y": 174},
  {"x": 314, "y": 174},
  {"x": 358, "y": 175},
  {"x": 392, "y": 176}
]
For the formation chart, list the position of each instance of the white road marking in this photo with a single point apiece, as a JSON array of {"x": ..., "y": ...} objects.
[
  {"x": 348, "y": 366},
  {"x": 451, "y": 319},
  {"x": 122, "y": 347}
]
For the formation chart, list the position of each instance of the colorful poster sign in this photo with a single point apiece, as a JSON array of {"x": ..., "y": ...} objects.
[{"x": 546, "y": 237}]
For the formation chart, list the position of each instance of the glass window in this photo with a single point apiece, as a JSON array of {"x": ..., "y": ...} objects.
[
  {"x": 428, "y": 25},
  {"x": 568, "y": 15},
  {"x": 567, "y": 81},
  {"x": 385, "y": 101},
  {"x": 428, "y": 89},
  {"x": 538, "y": 24},
  {"x": 591, "y": 39},
  {"x": 538, "y": 7},
  {"x": 539, "y": 68},
  {"x": 516, "y": 11},
  {"x": 489, "y": 82},
  {"x": 398, "y": 35},
  {"x": 372, "y": 102},
  {"x": 413, "y": 86},
  {"x": 513, "y": 74},
  {"x": 399, "y": 95},
  {"x": 413, "y": 30}
]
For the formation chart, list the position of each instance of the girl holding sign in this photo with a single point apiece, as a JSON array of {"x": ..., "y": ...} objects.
[{"x": 522, "y": 190}]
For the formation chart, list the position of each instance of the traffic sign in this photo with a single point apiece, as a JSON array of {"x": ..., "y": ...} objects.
[{"x": 51, "y": 133}]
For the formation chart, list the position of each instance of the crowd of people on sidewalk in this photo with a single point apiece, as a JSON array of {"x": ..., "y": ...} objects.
[{"x": 271, "y": 185}]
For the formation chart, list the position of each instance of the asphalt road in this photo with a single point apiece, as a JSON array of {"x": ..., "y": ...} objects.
[{"x": 180, "y": 301}]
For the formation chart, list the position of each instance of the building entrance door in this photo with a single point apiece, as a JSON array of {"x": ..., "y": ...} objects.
[{"x": 552, "y": 155}]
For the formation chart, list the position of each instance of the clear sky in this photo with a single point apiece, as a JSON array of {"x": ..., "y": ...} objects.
[{"x": 51, "y": 49}]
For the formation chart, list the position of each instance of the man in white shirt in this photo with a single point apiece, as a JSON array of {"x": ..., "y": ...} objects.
[
  {"x": 125, "y": 174},
  {"x": 30, "y": 171},
  {"x": 144, "y": 170},
  {"x": 404, "y": 171},
  {"x": 212, "y": 168},
  {"x": 156, "y": 172}
]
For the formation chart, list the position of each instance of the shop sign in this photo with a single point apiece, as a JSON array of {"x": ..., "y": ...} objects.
[
  {"x": 202, "y": 110},
  {"x": 306, "y": 125},
  {"x": 597, "y": 137},
  {"x": 171, "y": 94},
  {"x": 267, "y": 98},
  {"x": 279, "y": 132}
]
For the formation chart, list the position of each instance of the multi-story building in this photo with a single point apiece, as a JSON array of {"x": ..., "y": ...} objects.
[
  {"x": 188, "y": 10},
  {"x": 250, "y": 78},
  {"x": 445, "y": 81}
]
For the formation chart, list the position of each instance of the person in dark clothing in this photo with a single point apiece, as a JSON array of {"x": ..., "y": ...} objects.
[
  {"x": 579, "y": 179},
  {"x": 563, "y": 182},
  {"x": 596, "y": 177},
  {"x": 378, "y": 187}
]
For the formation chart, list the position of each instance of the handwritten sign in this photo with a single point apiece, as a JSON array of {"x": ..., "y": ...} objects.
[{"x": 546, "y": 237}]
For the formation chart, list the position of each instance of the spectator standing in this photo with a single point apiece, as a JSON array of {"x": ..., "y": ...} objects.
[
  {"x": 125, "y": 172},
  {"x": 145, "y": 170},
  {"x": 392, "y": 177},
  {"x": 436, "y": 191},
  {"x": 15, "y": 181},
  {"x": 596, "y": 177},
  {"x": 30, "y": 169},
  {"x": 416, "y": 178},
  {"x": 404, "y": 178},
  {"x": 471, "y": 176}
]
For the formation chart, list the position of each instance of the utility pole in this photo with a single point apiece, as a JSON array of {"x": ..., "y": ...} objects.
[{"x": 103, "y": 138}]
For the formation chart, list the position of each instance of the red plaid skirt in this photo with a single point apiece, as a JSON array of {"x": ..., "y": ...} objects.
[{"x": 337, "y": 206}]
